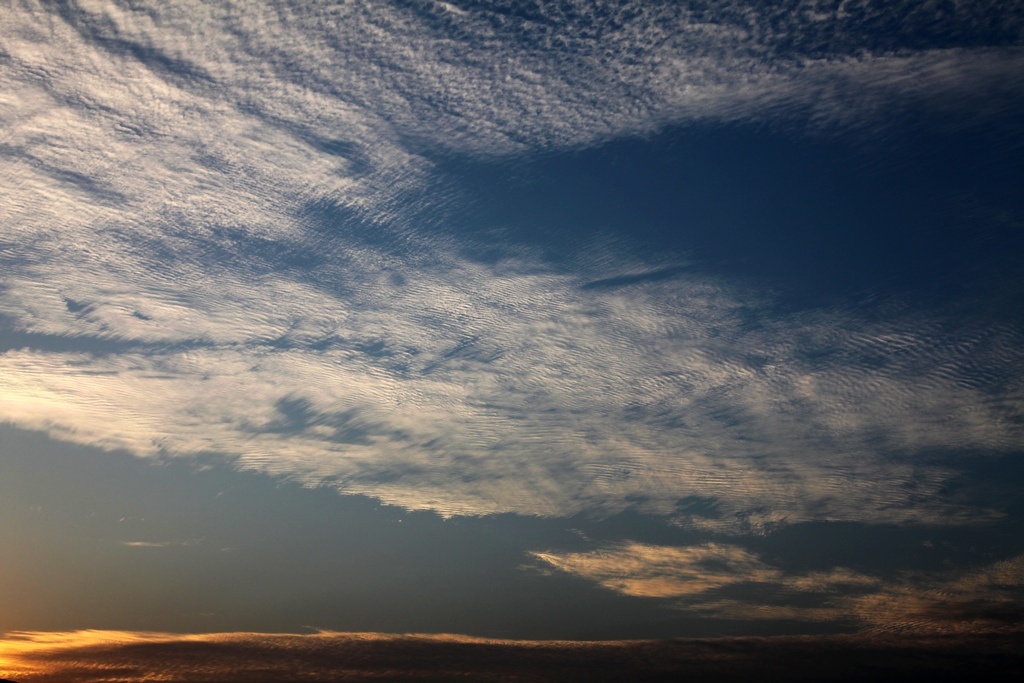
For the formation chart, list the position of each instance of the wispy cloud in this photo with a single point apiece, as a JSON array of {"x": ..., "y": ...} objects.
[
  {"x": 726, "y": 581},
  {"x": 661, "y": 571},
  {"x": 222, "y": 193},
  {"x": 985, "y": 598}
]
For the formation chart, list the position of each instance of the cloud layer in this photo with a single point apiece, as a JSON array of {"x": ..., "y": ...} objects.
[
  {"x": 84, "y": 656},
  {"x": 211, "y": 244}
]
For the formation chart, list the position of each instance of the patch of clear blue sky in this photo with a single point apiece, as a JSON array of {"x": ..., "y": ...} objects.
[{"x": 912, "y": 211}]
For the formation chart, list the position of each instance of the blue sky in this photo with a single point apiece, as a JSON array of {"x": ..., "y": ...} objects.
[{"x": 538, "y": 320}]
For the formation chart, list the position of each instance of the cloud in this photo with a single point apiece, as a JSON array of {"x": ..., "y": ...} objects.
[
  {"x": 211, "y": 247},
  {"x": 84, "y": 656},
  {"x": 728, "y": 582},
  {"x": 662, "y": 571},
  {"x": 480, "y": 396},
  {"x": 986, "y": 598}
]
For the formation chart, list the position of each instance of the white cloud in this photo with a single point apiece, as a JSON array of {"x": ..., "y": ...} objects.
[
  {"x": 146, "y": 544},
  {"x": 161, "y": 166},
  {"x": 522, "y": 392}
]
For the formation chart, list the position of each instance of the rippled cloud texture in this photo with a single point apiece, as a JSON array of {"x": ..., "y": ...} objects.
[{"x": 219, "y": 236}]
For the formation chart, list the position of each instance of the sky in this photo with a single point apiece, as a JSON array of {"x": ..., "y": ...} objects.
[{"x": 543, "y": 320}]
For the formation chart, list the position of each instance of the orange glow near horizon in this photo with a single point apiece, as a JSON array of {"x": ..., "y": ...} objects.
[
  {"x": 60, "y": 656},
  {"x": 36, "y": 655},
  {"x": 145, "y": 657}
]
